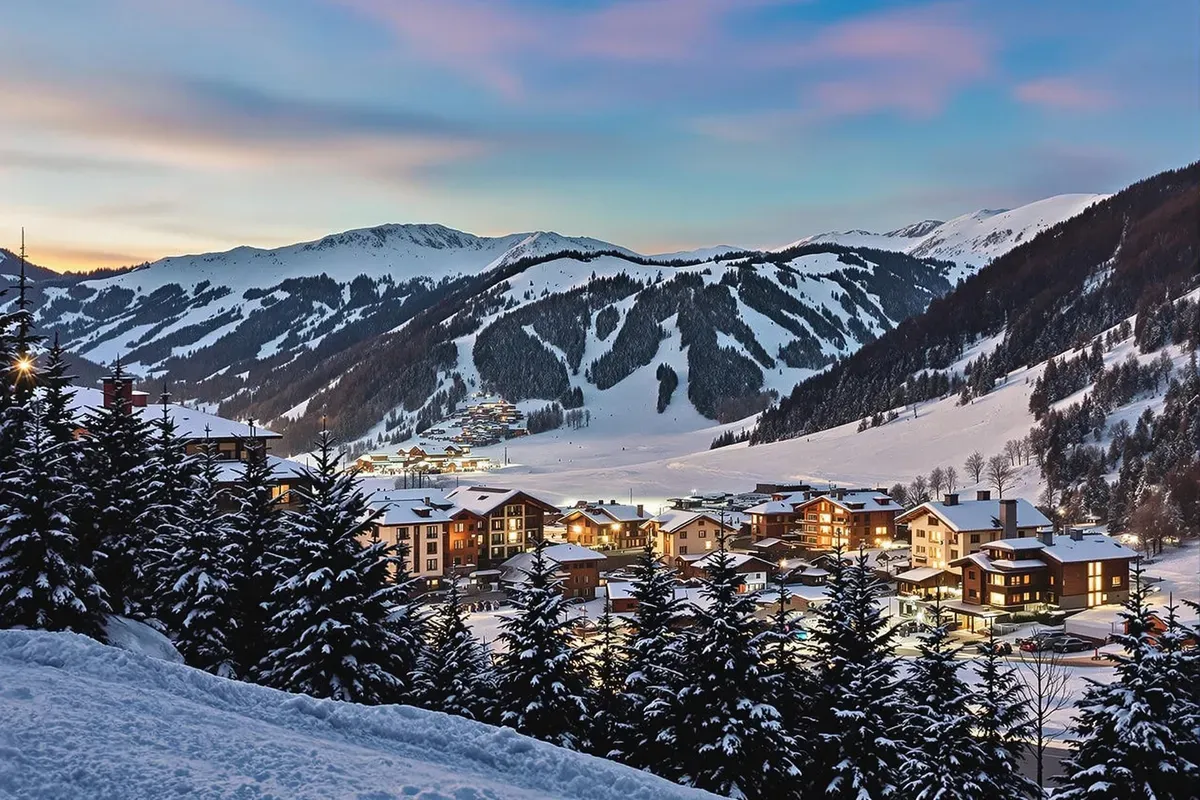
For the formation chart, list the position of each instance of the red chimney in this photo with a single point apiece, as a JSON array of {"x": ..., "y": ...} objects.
[{"x": 114, "y": 389}]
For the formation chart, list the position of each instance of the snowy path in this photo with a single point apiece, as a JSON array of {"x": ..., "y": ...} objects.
[{"x": 84, "y": 720}]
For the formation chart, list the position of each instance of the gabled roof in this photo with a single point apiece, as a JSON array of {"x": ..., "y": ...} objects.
[
  {"x": 190, "y": 423},
  {"x": 483, "y": 500},
  {"x": 977, "y": 515},
  {"x": 773, "y": 507},
  {"x": 922, "y": 574},
  {"x": 608, "y": 513},
  {"x": 1094, "y": 547},
  {"x": 735, "y": 560},
  {"x": 412, "y": 506},
  {"x": 282, "y": 469},
  {"x": 1015, "y": 545},
  {"x": 671, "y": 521},
  {"x": 516, "y": 569},
  {"x": 857, "y": 501}
]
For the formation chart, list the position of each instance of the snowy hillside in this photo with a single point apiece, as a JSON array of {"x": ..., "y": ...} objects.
[
  {"x": 85, "y": 720},
  {"x": 971, "y": 240}
]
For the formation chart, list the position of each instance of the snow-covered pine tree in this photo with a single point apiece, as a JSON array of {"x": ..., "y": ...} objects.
[
  {"x": 607, "y": 658},
  {"x": 114, "y": 529},
  {"x": 540, "y": 677},
  {"x": 44, "y": 582},
  {"x": 1127, "y": 738},
  {"x": 257, "y": 528},
  {"x": 942, "y": 757},
  {"x": 648, "y": 701},
  {"x": 1001, "y": 727},
  {"x": 339, "y": 625},
  {"x": 172, "y": 477},
  {"x": 197, "y": 593},
  {"x": 728, "y": 737},
  {"x": 57, "y": 398},
  {"x": 454, "y": 671},
  {"x": 856, "y": 731},
  {"x": 787, "y": 671}
]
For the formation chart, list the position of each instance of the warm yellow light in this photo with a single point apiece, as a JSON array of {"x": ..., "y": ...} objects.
[{"x": 24, "y": 364}]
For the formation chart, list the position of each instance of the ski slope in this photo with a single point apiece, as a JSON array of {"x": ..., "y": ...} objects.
[{"x": 82, "y": 720}]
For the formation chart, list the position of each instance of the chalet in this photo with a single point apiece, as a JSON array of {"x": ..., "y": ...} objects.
[
  {"x": 234, "y": 443},
  {"x": 578, "y": 569},
  {"x": 606, "y": 525},
  {"x": 620, "y": 597},
  {"x": 753, "y": 570},
  {"x": 418, "y": 521},
  {"x": 680, "y": 533},
  {"x": 1078, "y": 570},
  {"x": 506, "y": 521},
  {"x": 946, "y": 531},
  {"x": 846, "y": 517}
]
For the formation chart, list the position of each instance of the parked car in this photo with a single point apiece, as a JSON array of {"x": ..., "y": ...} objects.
[
  {"x": 1071, "y": 644},
  {"x": 911, "y": 628},
  {"x": 1003, "y": 648}
]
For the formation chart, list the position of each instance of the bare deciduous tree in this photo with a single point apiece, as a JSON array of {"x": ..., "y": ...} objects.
[
  {"x": 974, "y": 466},
  {"x": 1000, "y": 473},
  {"x": 918, "y": 492},
  {"x": 1044, "y": 680},
  {"x": 937, "y": 482},
  {"x": 951, "y": 475}
]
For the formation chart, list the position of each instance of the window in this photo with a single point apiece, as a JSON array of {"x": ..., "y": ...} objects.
[
  {"x": 402, "y": 534},
  {"x": 516, "y": 510},
  {"x": 700, "y": 521},
  {"x": 1025, "y": 579},
  {"x": 457, "y": 561},
  {"x": 708, "y": 545},
  {"x": 1095, "y": 577},
  {"x": 683, "y": 550},
  {"x": 515, "y": 524},
  {"x": 702, "y": 534},
  {"x": 497, "y": 524},
  {"x": 974, "y": 538},
  {"x": 953, "y": 554},
  {"x": 971, "y": 574},
  {"x": 683, "y": 534},
  {"x": 972, "y": 593},
  {"x": 431, "y": 548},
  {"x": 432, "y": 532},
  {"x": 932, "y": 521},
  {"x": 996, "y": 598},
  {"x": 497, "y": 538},
  {"x": 459, "y": 527},
  {"x": 460, "y": 544},
  {"x": 920, "y": 533},
  {"x": 431, "y": 564},
  {"x": 1116, "y": 581},
  {"x": 514, "y": 537},
  {"x": 995, "y": 579}
]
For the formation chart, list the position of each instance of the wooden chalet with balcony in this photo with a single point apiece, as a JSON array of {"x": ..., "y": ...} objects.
[
  {"x": 684, "y": 533},
  {"x": 503, "y": 522},
  {"x": 607, "y": 525},
  {"x": 946, "y": 531},
  {"x": 578, "y": 569}
]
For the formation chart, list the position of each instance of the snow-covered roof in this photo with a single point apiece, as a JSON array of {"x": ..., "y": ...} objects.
[
  {"x": 190, "y": 423},
  {"x": 735, "y": 560},
  {"x": 608, "y": 513},
  {"x": 671, "y": 521},
  {"x": 773, "y": 507},
  {"x": 978, "y": 515},
  {"x": 859, "y": 501},
  {"x": 767, "y": 543},
  {"x": 483, "y": 500},
  {"x": 521, "y": 563},
  {"x": 921, "y": 574},
  {"x": 1020, "y": 563},
  {"x": 618, "y": 590},
  {"x": 1096, "y": 547},
  {"x": 1015, "y": 544},
  {"x": 229, "y": 471}
]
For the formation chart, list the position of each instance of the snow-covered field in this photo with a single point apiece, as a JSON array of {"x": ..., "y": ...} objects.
[{"x": 82, "y": 720}]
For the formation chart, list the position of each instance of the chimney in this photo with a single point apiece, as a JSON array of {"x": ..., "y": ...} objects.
[
  {"x": 840, "y": 494},
  {"x": 1076, "y": 535},
  {"x": 983, "y": 494},
  {"x": 1047, "y": 537},
  {"x": 951, "y": 499},
  {"x": 1008, "y": 519},
  {"x": 640, "y": 510},
  {"x": 883, "y": 500},
  {"x": 114, "y": 389}
]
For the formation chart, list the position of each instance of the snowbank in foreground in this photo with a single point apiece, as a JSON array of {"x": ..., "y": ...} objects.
[
  {"x": 138, "y": 637},
  {"x": 84, "y": 720}
]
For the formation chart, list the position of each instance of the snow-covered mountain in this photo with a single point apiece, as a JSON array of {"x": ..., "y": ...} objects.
[
  {"x": 384, "y": 328},
  {"x": 970, "y": 240},
  {"x": 85, "y": 720}
]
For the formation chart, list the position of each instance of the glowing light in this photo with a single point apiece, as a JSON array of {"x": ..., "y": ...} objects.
[{"x": 24, "y": 364}]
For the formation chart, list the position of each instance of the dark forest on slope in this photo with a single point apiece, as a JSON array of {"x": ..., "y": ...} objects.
[{"x": 1119, "y": 257}]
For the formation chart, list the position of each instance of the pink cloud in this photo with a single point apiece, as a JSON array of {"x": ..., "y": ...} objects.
[{"x": 1062, "y": 94}]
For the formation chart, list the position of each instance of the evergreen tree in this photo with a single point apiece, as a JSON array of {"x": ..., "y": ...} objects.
[
  {"x": 787, "y": 672},
  {"x": 172, "y": 477},
  {"x": 339, "y": 628},
  {"x": 858, "y": 754},
  {"x": 57, "y": 399},
  {"x": 1128, "y": 740},
  {"x": 942, "y": 757},
  {"x": 1001, "y": 728},
  {"x": 198, "y": 589},
  {"x": 540, "y": 676},
  {"x": 44, "y": 583},
  {"x": 257, "y": 529},
  {"x": 608, "y": 660},
  {"x": 454, "y": 672},
  {"x": 114, "y": 529},
  {"x": 728, "y": 737},
  {"x": 653, "y": 677}
]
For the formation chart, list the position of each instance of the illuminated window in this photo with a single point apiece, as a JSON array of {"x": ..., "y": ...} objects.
[
  {"x": 1116, "y": 581},
  {"x": 996, "y": 598},
  {"x": 1095, "y": 578}
]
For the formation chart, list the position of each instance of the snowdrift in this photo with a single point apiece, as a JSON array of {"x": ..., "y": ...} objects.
[{"x": 80, "y": 719}]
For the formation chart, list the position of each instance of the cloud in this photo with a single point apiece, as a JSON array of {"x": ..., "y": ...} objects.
[
  {"x": 219, "y": 125},
  {"x": 1062, "y": 94}
]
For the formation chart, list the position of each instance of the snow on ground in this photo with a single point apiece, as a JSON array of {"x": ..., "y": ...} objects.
[
  {"x": 85, "y": 720},
  {"x": 1178, "y": 569},
  {"x": 138, "y": 637}
]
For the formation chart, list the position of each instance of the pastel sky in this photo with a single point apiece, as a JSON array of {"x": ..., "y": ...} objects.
[{"x": 134, "y": 129}]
